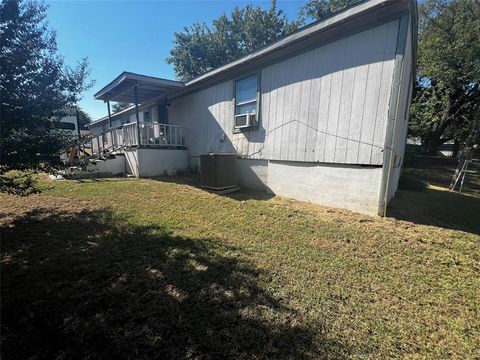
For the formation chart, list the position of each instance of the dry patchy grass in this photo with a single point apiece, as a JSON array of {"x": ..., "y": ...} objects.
[{"x": 152, "y": 269}]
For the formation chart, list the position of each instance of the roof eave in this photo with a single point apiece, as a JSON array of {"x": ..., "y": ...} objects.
[
  {"x": 313, "y": 29},
  {"x": 168, "y": 85}
]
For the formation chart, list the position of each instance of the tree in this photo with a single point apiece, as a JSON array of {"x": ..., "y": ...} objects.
[
  {"x": 83, "y": 118},
  {"x": 317, "y": 9},
  {"x": 36, "y": 88},
  {"x": 120, "y": 106},
  {"x": 447, "y": 96},
  {"x": 199, "y": 48}
]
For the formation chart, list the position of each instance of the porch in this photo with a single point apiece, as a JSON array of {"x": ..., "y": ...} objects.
[
  {"x": 116, "y": 151},
  {"x": 139, "y": 141},
  {"x": 133, "y": 135}
]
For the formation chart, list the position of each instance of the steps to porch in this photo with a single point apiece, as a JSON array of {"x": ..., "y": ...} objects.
[{"x": 150, "y": 149}]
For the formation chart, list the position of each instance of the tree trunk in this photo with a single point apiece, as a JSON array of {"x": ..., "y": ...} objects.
[
  {"x": 432, "y": 144},
  {"x": 456, "y": 147}
]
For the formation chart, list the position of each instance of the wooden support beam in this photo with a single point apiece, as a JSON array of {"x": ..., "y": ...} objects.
[
  {"x": 109, "y": 114},
  {"x": 137, "y": 115},
  {"x": 78, "y": 131}
]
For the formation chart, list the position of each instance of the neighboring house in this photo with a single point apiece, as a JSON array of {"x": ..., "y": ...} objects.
[{"x": 319, "y": 115}]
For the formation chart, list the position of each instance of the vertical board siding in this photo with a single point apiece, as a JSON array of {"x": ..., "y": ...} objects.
[
  {"x": 208, "y": 116},
  {"x": 333, "y": 102},
  {"x": 384, "y": 95},
  {"x": 329, "y": 104},
  {"x": 351, "y": 50},
  {"x": 402, "y": 115}
]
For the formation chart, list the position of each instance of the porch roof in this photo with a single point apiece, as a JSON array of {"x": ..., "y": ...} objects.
[{"x": 122, "y": 88}]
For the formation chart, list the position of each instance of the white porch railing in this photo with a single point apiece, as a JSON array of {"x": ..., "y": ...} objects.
[
  {"x": 107, "y": 141},
  {"x": 155, "y": 134},
  {"x": 151, "y": 134}
]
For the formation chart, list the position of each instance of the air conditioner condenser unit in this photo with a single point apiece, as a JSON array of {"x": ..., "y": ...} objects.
[{"x": 217, "y": 171}]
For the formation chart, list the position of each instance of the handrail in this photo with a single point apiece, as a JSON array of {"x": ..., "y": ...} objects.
[
  {"x": 155, "y": 123},
  {"x": 116, "y": 138},
  {"x": 92, "y": 136},
  {"x": 155, "y": 134}
]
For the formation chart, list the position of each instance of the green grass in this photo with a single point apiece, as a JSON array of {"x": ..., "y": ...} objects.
[
  {"x": 424, "y": 198},
  {"x": 145, "y": 269}
]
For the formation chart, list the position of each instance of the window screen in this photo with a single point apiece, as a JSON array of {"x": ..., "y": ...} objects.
[{"x": 246, "y": 95}]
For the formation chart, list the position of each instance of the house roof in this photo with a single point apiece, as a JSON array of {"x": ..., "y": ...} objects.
[
  {"x": 114, "y": 115},
  {"x": 343, "y": 21},
  {"x": 122, "y": 88},
  {"x": 349, "y": 19}
]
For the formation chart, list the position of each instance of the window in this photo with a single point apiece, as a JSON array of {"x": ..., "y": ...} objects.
[
  {"x": 146, "y": 116},
  {"x": 245, "y": 101},
  {"x": 64, "y": 126}
]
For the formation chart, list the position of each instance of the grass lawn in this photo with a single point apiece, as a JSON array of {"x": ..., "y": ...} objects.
[{"x": 150, "y": 269}]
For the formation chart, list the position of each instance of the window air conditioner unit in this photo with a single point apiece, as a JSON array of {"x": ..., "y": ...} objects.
[{"x": 244, "y": 120}]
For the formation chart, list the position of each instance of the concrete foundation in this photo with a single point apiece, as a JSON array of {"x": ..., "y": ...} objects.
[
  {"x": 355, "y": 188},
  {"x": 252, "y": 174},
  {"x": 350, "y": 187},
  {"x": 111, "y": 167},
  {"x": 155, "y": 162}
]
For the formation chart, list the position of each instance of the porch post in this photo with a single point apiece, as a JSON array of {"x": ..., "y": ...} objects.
[
  {"x": 136, "y": 115},
  {"x": 109, "y": 115}
]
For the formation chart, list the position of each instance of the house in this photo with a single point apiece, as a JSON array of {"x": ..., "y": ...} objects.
[{"x": 320, "y": 115}]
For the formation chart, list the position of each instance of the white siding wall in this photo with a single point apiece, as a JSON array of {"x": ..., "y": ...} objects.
[
  {"x": 208, "y": 115},
  {"x": 329, "y": 104}
]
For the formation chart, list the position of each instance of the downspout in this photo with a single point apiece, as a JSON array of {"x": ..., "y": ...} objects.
[{"x": 389, "y": 153}]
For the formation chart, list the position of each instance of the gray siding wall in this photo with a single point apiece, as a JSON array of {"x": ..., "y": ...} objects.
[
  {"x": 329, "y": 105},
  {"x": 402, "y": 116},
  {"x": 208, "y": 115}
]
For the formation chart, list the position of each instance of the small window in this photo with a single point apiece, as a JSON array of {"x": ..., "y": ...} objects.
[
  {"x": 64, "y": 126},
  {"x": 245, "y": 101},
  {"x": 146, "y": 116}
]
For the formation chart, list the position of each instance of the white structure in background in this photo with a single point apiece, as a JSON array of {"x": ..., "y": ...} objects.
[
  {"x": 69, "y": 124},
  {"x": 319, "y": 115}
]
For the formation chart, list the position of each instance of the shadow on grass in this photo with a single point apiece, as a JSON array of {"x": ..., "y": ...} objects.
[
  {"x": 91, "y": 285},
  {"x": 194, "y": 181},
  {"x": 416, "y": 202}
]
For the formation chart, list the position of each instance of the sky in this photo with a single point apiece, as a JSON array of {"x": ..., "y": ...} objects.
[{"x": 133, "y": 36}]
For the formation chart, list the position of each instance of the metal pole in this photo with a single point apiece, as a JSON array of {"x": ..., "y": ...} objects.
[
  {"x": 458, "y": 176},
  {"x": 136, "y": 115},
  {"x": 464, "y": 172}
]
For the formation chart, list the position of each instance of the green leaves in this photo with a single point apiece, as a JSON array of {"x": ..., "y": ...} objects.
[
  {"x": 199, "y": 48},
  {"x": 36, "y": 88},
  {"x": 317, "y": 9},
  {"x": 448, "y": 87},
  {"x": 120, "y": 106}
]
